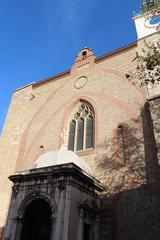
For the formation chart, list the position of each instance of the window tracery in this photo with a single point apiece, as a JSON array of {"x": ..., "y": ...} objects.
[{"x": 81, "y": 128}]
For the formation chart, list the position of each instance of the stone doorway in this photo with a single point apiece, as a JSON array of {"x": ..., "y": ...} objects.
[{"x": 37, "y": 221}]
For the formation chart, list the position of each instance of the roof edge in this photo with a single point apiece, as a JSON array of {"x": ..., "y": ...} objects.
[
  {"x": 117, "y": 51},
  {"x": 66, "y": 73},
  {"x": 59, "y": 75},
  {"x": 25, "y": 86}
]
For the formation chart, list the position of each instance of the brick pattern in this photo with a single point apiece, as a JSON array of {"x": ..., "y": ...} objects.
[{"x": 39, "y": 113}]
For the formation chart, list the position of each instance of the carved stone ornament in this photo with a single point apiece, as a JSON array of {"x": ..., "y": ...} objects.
[
  {"x": 80, "y": 82},
  {"x": 64, "y": 138},
  {"x": 37, "y": 188},
  {"x": 15, "y": 191},
  {"x": 61, "y": 185}
]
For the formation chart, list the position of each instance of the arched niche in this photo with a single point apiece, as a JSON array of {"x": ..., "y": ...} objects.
[{"x": 36, "y": 221}]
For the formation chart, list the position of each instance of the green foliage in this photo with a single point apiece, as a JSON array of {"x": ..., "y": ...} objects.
[
  {"x": 150, "y": 6},
  {"x": 148, "y": 64},
  {"x": 151, "y": 55}
]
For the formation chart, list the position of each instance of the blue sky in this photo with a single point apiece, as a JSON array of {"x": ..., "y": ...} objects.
[{"x": 40, "y": 38}]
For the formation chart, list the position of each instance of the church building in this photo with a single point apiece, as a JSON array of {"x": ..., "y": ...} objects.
[{"x": 80, "y": 151}]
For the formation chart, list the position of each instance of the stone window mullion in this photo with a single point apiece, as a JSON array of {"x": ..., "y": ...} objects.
[
  {"x": 75, "y": 138},
  {"x": 81, "y": 130},
  {"x": 84, "y": 134}
]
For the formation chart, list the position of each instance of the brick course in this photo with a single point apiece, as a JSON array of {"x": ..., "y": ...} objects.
[{"x": 39, "y": 112}]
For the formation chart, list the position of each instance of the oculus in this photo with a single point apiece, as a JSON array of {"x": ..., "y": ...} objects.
[{"x": 80, "y": 82}]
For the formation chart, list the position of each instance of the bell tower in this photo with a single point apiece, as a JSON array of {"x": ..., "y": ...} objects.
[{"x": 148, "y": 20}]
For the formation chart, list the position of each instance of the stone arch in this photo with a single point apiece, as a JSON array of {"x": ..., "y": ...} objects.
[
  {"x": 32, "y": 197},
  {"x": 73, "y": 103},
  {"x": 133, "y": 112},
  {"x": 26, "y": 204},
  {"x": 86, "y": 100},
  {"x": 131, "y": 81}
]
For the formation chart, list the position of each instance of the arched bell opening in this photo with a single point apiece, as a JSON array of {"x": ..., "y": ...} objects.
[{"x": 36, "y": 224}]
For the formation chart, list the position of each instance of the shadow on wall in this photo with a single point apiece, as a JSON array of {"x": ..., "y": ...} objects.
[
  {"x": 137, "y": 214},
  {"x": 118, "y": 171},
  {"x": 132, "y": 198},
  {"x": 150, "y": 147},
  {"x": 1, "y": 232},
  {"x": 131, "y": 214}
]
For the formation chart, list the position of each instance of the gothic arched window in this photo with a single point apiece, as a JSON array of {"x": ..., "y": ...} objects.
[{"x": 81, "y": 128}]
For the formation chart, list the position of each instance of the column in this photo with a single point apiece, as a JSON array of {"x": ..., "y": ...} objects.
[
  {"x": 97, "y": 226},
  {"x": 81, "y": 224},
  {"x": 57, "y": 234}
]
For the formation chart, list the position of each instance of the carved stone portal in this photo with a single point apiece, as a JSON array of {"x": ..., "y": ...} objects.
[{"x": 57, "y": 202}]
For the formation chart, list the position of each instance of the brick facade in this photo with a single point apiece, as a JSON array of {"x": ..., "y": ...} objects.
[{"x": 39, "y": 112}]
